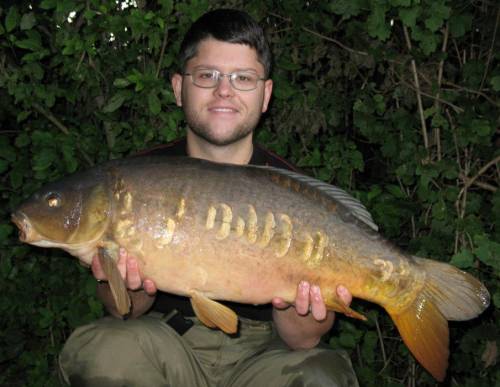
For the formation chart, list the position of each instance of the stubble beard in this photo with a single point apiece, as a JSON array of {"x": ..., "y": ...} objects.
[{"x": 210, "y": 135}]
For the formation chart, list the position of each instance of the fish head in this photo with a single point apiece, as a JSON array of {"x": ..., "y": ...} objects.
[{"x": 68, "y": 213}]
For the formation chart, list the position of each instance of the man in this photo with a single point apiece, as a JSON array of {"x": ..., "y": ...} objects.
[{"x": 223, "y": 87}]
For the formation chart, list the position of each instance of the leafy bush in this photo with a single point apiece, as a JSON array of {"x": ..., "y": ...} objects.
[{"x": 394, "y": 100}]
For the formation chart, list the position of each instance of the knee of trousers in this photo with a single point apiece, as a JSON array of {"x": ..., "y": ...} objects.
[
  {"x": 328, "y": 368},
  {"x": 109, "y": 347}
]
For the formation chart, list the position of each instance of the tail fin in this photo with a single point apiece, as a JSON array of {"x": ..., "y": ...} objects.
[{"x": 448, "y": 294}]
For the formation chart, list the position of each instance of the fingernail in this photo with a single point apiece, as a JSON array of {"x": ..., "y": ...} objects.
[
  {"x": 122, "y": 251},
  {"x": 304, "y": 287},
  {"x": 316, "y": 292}
]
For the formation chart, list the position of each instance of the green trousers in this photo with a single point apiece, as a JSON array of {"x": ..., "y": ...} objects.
[{"x": 148, "y": 352}]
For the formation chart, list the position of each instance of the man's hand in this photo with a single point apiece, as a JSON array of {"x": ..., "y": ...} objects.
[
  {"x": 142, "y": 294},
  {"x": 302, "y": 325}
]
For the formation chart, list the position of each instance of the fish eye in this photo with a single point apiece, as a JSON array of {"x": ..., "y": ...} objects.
[{"x": 53, "y": 200}]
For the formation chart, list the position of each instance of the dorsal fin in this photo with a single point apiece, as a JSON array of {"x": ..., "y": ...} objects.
[{"x": 352, "y": 205}]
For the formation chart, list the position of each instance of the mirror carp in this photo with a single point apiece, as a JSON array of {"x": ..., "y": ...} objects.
[{"x": 247, "y": 234}]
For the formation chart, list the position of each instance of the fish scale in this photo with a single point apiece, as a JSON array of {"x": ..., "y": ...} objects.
[{"x": 247, "y": 234}]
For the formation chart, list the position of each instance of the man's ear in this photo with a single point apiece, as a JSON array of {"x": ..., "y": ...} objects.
[
  {"x": 176, "y": 82},
  {"x": 268, "y": 90}
]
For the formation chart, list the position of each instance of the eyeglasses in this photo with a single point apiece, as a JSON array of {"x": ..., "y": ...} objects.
[{"x": 210, "y": 78}]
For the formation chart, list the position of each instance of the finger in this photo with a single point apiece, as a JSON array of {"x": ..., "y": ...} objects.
[
  {"x": 318, "y": 308},
  {"x": 97, "y": 269},
  {"x": 302, "y": 298},
  {"x": 134, "y": 281},
  {"x": 122, "y": 262},
  {"x": 279, "y": 303},
  {"x": 344, "y": 294},
  {"x": 149, "y": 287}
]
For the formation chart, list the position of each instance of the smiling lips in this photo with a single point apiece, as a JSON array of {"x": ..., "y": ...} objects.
[{"x": 222, "y": 109}]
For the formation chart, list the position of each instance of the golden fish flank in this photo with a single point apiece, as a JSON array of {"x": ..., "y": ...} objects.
[
  {"x": 252, "y": 224},
  {"x": 320, "y": 243},
  {"x": 211, "y": 214},
  {"x": 307, "y": 249},
  {"x": 225, "y": 226},
  {"x": 268, "y": 232},
  {"x": 285, "y": 235},
  {"x": 126, "y": 203},
  {"x": 386, "y": 269},
  {"x": 181, "y": 209},
  {"x": 165, "y": 235},
  {"x": 124, "y": 228},
  {"x": 240, "y": 226}
]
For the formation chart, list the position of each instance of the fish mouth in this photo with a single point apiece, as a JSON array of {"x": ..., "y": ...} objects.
[{"x": 24, "y": 226}]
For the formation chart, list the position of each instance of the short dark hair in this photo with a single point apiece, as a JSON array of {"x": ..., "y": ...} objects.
[{"x": 230, "y": 26}]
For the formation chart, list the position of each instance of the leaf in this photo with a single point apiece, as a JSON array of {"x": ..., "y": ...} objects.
[
  {"x": 121, "y": 82},
  {"x": 4, "y": 165},
  {"x": 495, "y": 83},
  {"x": 28, "y": 21},
  {"x": 490, "y": 354},
  {"x": 5, "y": 231},
  {"x": 345, "y": 8},
  {"x": 114, "y": 103},
  {"x": 377, "y": 25},
  {"x": 22, "y": 140},
  {"x": 409, "y": 15},
  {"x": 48, "y": 4},
  {"x": 154, "y": 103},
  {"x": 29, "y": 44},
  {"x": 12, "y": 19},
  {"x": 487, "y": 251},
  {"x": 463, "y": 260},
  {"x": 459, "y": 25}
]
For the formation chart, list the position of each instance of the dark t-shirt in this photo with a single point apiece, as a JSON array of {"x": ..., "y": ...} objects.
[{"x": 166, "y": 302}]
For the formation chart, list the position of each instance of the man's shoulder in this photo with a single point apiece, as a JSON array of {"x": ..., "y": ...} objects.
[
  {"x": 263, "y": 156},
  {"x": 173, "y": 148}
]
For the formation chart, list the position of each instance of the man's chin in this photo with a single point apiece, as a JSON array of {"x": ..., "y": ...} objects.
[{"x": 222, "y": 137}]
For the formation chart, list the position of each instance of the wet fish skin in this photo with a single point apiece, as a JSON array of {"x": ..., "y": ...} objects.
[{"x": 247, "y": 234}]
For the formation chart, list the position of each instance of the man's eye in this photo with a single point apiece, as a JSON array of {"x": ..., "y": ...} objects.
[
  {"x": 206, "y": 75},
  {"x": 244, "y": 78}
]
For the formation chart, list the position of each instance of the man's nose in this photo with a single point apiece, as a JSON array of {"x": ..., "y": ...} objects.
[{"x": 224, "y": 87}]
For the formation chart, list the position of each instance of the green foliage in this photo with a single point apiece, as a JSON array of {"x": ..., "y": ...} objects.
[{"x": 83, "y": 82}]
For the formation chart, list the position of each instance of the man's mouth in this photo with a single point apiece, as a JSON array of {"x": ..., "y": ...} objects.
[{"x": 223, "y": 110}]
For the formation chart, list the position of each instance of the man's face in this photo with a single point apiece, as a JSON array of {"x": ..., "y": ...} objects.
[{"x": 222, "y": 115}]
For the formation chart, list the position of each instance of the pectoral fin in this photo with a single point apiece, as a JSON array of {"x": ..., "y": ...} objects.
[
  {"x": 337, "y": 305},
  {"x": 115, "y": 280},
  {"x": 213, "y": 314}
]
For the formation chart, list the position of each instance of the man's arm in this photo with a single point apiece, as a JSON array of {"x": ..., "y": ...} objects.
[
  {"x": 302, "y": 325},
  {"x": 142, "y": 293}
]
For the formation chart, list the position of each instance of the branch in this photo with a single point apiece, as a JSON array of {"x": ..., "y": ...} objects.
[
  {"x": 456, "y": 108},
  {"x": 470, "y": 181},
  {"x": 461, "y": 88},
  {"x": 63, "y": 128},
  {"x": 338, "y": 43},
  {"x": 486, "y": 186},
  {"x": 490, "y": 51},
  {"x": 419, "y": 94},
  {"x": 162, "y": 52}
]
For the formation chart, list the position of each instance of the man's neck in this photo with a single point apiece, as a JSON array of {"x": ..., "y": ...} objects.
[{"x": 239, "y": 152}]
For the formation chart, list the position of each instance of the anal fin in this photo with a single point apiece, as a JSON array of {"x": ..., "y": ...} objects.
[
  {"x": 337, "y": 305},
  {"x": 115, "y": 280},
  {"x": 213, "y": 314}
]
